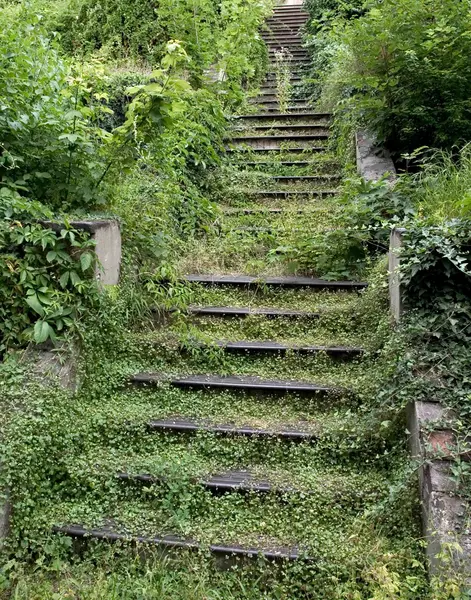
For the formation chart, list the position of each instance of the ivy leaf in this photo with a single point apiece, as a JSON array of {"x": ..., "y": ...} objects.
[
  {"x": 33, "y": 302},
  {"x": 42, "y": 331}
]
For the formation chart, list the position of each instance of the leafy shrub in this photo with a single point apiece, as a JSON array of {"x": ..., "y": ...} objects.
[
  {"x": 49, "y": 147},
  {"x": 405, "y": 67},
  {"x": 322, "y": 10},
  {"x": 370, "y": 210},
  {"x": 223, "y": 34},
  {"x": 46, "y": 275}
]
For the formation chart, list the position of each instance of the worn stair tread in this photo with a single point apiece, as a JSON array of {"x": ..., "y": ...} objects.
[
  {"x": 304, "y": 177},
  {"x": 252, "y": 383},
  {"x": 305, "y": 126},
  {"x": 185, "y": 425},
  {"x": 286, "y": 281},
  {"x": 316, "y": 115},
  {"x": 175, "y": 541},
  {"x": 229, "y": 481},
  {"x": 290, "y": 193},
  {"x": 269, "y": 211},
  {"x": 299, "y": 150},
  {"x": 247, "y": 311},
  {"x": 284, "y": 163},
  {"x": 272, "y": 346},
  {"x": 271, "y": 138},
  {"x": 236, "y": 382}
]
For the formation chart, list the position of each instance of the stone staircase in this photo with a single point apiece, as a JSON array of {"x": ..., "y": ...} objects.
[{"x": 250, "y": 439}]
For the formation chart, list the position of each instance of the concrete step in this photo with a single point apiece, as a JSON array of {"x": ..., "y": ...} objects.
[
  {"x": 287, "y": 129},
  {"x": 272, "y": 107},
  {"x": 298, "y": 150},
  {"x": 183, "y": 425},
  {"x": 243, "y": 383},
  {"x": 173, "y": 542},
  {"x": 271, "y": 347},
  {"x": 292, "y": 194},
  {"x": 267, "y": 211},
  {"x": 247, "y": 281},
  {"x": 228, "y": 482},
  {"x": 305, "y": 178},
  {"x": 273, "y": 142},
  {"x": 285, "y": 116},
  {"x": 241, "y": 312}
]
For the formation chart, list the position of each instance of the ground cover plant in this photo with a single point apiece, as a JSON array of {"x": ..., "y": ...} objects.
[{"x": 147, "y": 129}]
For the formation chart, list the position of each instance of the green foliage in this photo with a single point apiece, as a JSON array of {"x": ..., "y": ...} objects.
[
  {"x": 404, "y": 68},
  {"x": 223, "y": 36},
  {"x": 49, "y": 147},
  {"x": 46, "y": 275},
  {"x": 324, "y": 10},
  {"x": 359, "y": 232}
]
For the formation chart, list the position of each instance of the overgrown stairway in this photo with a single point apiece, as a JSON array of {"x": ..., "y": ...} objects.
[{"x": 244, "y": 440}]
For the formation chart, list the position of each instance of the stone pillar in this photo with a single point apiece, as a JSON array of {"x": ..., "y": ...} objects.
[
  {"x": 107, "y": 236},
  {"x": 444, "y": 512}
]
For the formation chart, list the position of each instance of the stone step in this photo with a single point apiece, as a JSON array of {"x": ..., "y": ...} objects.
[
  {"x": 288, "y": 21},
  {"x": 304, "y": 178},
  {"x": 270, "y": 91},
  {"x": 287, "y": 194},
  {"x": 267, "y": 211},
  {"x": 175, "y": 542},
  {"x": 243, "y": 383},
  {"x": 307, "y": 137},
  {"x": 292, "y": 109},
  {"x": 284, "y": 163},
  {"x": 293, "y": 50},
  {"x": 262, "y": 99},
  {"x": 272, "y": 347},
  {"x": 298, "y": 150},
  {"x": 282, "y": 282},
  {"x": 283, "y": 116},
  {"x": 313, "y": 127},
  {"x": 182, "y": 425},
  {"x": 230, "y": 481},
  {"x": 294, "y": 103},
  {"x": 286, "y": 41},
  {"x": 232, "y": 311},
  {"x": 270, "y": 81}
]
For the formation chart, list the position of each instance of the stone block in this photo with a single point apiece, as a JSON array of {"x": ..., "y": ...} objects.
[
  {"x": 373, "y": 161},
  {"x": 107, "y": 236},
  {"x": 445, "y": 515}
]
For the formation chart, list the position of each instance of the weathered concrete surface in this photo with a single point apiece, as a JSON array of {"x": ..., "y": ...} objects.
[
  {"x": 445, "y": 516},
  {"x": 373, "y": 161},
  {"x": 54, "y": 366},
  {"x": 395, "y": 295},
  {"x": 107, "y": 236}
]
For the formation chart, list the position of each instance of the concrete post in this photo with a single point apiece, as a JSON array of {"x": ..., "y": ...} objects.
[{"x": 107, "y": 236}]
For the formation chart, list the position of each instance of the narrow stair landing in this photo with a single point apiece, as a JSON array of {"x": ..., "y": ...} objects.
[{"x": 235, "y": 418}]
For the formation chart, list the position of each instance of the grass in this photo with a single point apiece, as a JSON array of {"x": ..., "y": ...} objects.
[{"x": 442, "y": 188}]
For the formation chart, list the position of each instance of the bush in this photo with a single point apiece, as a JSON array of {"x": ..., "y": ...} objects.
[
  {"x": 405, "y": 66},
  {"x": 49, "y": 148}
]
